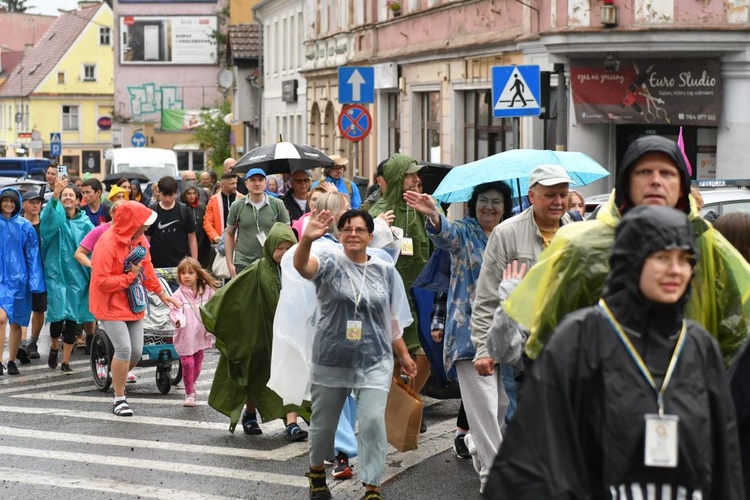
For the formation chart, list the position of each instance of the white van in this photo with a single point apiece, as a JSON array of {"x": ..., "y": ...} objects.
[{"x": 154, "y": 163}]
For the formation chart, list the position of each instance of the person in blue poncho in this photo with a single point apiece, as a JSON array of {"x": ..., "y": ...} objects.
[
  {"x": 335, "y": 175},
  {"x": 20, "y": 272},
  {"x": 63, "y": 227}
]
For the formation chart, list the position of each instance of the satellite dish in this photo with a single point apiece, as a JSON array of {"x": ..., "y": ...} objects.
[{"x": 225, "y": 78}]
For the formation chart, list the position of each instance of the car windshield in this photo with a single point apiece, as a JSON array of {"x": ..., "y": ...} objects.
[{"x": 153, "y": 172}]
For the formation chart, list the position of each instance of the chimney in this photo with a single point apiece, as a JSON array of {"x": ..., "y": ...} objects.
[{"x": 27, "y": 48}]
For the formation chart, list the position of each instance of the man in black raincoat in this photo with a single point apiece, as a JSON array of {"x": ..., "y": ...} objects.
[{"x": 590, "y": 424}]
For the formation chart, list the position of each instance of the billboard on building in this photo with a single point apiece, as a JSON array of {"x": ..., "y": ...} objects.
[
  {"x": 168, "y": 40},
  {"x": 185, "y": 119},
  {"x": 647, "y": 91}
]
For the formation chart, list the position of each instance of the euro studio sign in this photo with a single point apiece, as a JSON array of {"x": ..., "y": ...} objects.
[{"x": 104, "y": 123}]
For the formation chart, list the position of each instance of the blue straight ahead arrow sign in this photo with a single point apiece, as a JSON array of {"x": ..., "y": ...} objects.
[{"x": 356, "y": 85}]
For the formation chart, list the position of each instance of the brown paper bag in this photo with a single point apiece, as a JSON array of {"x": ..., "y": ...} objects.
[{"x": 403, "y": 416}]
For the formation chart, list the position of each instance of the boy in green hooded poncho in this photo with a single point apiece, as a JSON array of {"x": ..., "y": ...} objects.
[
  {"x": 245, "y": 341},
  {"x": 400, "y": 175}
]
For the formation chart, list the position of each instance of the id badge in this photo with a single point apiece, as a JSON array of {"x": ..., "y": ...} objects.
[
  {"x": 261, "y": 237},
  {"x": 407, "y": 246},
  {"x": 661, "y": 444},
  {"x": 353, "y": 330}
]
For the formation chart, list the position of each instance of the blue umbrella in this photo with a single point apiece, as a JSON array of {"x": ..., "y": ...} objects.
[{"x": 516, "y": 166}]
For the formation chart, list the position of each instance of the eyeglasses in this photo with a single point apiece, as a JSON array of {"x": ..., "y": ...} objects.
[
  {"x": 339, "y": 167},
  {"x": 495, "y": 202},
  {"x": 306, "y": 180},
  {"x": 360, "y": 231}
]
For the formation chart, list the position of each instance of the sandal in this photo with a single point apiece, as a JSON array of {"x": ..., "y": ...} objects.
[
  {"x": 122, "y": 409},
  {"x": 295, "y": 434}
]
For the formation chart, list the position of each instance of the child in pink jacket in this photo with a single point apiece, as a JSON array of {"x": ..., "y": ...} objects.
[{"x": 190, "y": 336}]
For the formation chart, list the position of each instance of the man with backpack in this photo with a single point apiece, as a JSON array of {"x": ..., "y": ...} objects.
[
  {"x": 249, "y": 221},
  {"x": 172, "y": 235},
  {"x": 335, "y": 175}
]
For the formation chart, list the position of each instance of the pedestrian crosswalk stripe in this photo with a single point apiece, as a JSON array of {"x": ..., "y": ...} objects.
[
  {"x": 516, "y": 93},
  {"x": 136, "y": 419},
  {"x": 38, "y": 477},
  {"x": 286, "y": 452},
  {"x": 66, "y": 396},
  {"x": 159, "y": 465}
]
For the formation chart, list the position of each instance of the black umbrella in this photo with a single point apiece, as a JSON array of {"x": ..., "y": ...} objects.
[
  {"x": 282, "y": 158},
  {"x": 432, "y": 175},
  {"x": 111, "y": 179}
]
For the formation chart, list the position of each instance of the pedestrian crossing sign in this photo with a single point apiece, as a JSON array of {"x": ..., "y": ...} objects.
[{"x": 515, "y": 91}]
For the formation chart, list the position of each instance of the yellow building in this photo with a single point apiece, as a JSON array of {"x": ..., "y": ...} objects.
[{"x": 65, "y": 87}]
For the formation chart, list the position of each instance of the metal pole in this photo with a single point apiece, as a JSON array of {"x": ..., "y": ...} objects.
[
  {"x": 561, "y": 133},
  {"x": 356, "y": 158},
  {"x": 516, "y": 132}
]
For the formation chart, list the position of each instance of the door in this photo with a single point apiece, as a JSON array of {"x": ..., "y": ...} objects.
[{"x": 150, "y": 43}]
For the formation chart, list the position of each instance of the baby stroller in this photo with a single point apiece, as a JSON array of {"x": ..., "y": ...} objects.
[{"x": 158, "y": 350}]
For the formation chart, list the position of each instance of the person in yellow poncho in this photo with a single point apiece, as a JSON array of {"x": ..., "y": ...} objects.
[{"x": 570, "y": 273}]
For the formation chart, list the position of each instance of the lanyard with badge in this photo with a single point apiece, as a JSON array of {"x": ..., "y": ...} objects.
[
  {"x": 661, "y": 443},
  {"x": 261, "y": 235},
  {"x": 354, "y": 326},
  {"x": 407, "y": 244}
]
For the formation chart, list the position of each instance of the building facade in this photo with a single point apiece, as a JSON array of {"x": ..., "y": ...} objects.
[
  {"x": 630, "y": 68},
  {"x": 167, "y": 73},
  {"x": 63, "y": 86},
  {"x": 284, "y": 113}
]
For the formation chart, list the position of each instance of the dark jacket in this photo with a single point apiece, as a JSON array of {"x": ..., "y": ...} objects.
[
  {"x": 579, "y": 430},
  {"x": 295, "y": 212},
  {"x": 198, "y": 211}
]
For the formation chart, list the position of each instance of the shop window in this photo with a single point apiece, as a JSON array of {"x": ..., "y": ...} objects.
[
  {"x": 484, "y": 135},
  {"x": 430, "y": 127}
]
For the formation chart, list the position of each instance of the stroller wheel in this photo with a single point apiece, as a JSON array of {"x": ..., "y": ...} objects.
[
  {"x": 163, "y": 381},
  {"x": 176, "y": 373},
  {"x": 101, "y": 356}
]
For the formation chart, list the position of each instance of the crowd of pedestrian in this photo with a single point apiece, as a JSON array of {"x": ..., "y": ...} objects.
[{"x": 590, "y": 349}]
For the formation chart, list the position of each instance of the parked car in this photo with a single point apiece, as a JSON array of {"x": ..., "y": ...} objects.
[
  {"x": 24, "y": 168},
  {"x": 24, "y": 185}
]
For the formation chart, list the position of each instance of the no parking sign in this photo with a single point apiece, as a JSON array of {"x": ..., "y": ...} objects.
[{"x": 355, "y": 122}]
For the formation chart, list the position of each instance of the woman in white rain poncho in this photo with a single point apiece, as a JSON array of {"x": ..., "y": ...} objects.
[{"x": 363, "y": 311}]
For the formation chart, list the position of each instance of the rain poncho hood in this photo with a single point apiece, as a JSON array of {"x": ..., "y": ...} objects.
[
  {"x": 570, "y": 275},
  {"x": 579, "y": 430},
  {"x": 67, "y": 281},
  {"x": 413, "y": 224},
  {"x": 640, "y": 147},
  {"x": 107, "y": 295},
  {"x": 20, "y": 263},
  {"x": 241, "y": 317}
]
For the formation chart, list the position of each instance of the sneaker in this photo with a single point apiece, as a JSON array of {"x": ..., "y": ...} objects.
[
  {"x": 473, "y": 452},
  {"x": 33, "y": 350},
  {"x": 122, "y": 409},
  {"x": 22, "y": 354},
  {"x": 66, "y": 369},
  {"x": 250, "y": 424},
  {"x": 459, "y": 446},
  {"x": 295, "y": 434},
  {"x": 318, "y": 487},
  {"x": 189, "y": 401},
  {"x": 131, "y": 378},
  {"x": 341, "y": 467},
  {"x": 52, "y": 358},
  {"x": 12, "y": 368}
]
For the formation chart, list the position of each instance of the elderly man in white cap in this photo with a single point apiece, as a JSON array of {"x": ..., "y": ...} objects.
[
  {"x": 335, "y": 175},
  {"x": 521, "y": 238}
]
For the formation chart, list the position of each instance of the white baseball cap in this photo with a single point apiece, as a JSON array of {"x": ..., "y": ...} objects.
[{"x": 549, "y": 175}]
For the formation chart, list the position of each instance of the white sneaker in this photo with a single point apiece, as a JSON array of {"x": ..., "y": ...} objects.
[
  {"x": 189, "y": 401},
  {"x": 131, "y": 378},
  {"x": 473, "y": 452}
]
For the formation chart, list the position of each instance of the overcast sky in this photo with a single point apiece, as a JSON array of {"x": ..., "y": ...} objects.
[{"x": 49, "y": 7}]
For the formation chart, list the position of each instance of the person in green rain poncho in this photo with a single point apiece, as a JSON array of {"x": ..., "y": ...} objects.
[
  {"x": 400, "y": 174},
  {"x": 245, "y": 340}
]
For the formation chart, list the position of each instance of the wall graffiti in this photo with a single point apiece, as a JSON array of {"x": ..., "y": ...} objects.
[{"x": 149, "y": 99}]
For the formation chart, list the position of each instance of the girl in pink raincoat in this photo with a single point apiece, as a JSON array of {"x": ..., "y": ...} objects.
[{"x": 190, "y": 336}]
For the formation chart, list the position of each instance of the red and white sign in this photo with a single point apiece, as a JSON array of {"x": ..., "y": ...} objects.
[{"x": 355, "y": 122}]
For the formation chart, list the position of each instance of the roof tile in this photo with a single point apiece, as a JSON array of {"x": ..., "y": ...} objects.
[
  {"x": 47, "y": 52},
  {"x": 244, "y": 41}
]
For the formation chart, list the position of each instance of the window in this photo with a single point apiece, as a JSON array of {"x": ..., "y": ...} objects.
[
  {"x": 70, "y": 117},
  {"x": 89, "y": 72},
  {"x": 484, "y": 135},
  {"x": 61, "y": 77},
  {"x": 105, "y": 35},
  {"x": 430, "y": 126},
  {"x": 394, "y": 123}
]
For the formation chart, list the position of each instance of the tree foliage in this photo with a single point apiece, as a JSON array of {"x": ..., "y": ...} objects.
[
  {"x": 15, "y": 5},
  {"x": 213, "y": 136}
]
